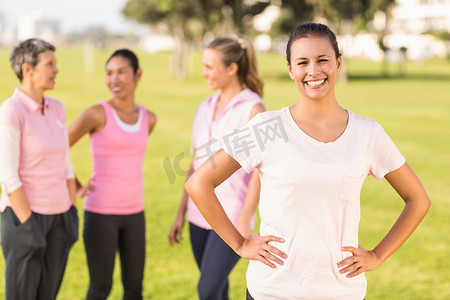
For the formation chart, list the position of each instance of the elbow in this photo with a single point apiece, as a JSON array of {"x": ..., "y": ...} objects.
[
  {"x": 188, "y": 186},
  {"x": 191, "y": 186},
  {"x": 427, "y": 203},
  {"x": 197, "y": 186},
  {"x": 424, "y": 205}
]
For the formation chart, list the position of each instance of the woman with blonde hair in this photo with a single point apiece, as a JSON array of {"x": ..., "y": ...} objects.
[{"x": 229, "y": 66}]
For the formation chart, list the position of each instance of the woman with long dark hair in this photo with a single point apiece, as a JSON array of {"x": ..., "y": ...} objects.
[
  {"x": 311, "y": 178},
  {"x": 114, "y": 197}
]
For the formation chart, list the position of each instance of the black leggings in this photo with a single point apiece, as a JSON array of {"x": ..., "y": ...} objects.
[
  {"x": 215, "y": 260},
  {"x": 103, "y": 236}
]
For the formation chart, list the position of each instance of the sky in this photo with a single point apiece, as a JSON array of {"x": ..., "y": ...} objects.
[{"x": 73, "y": 15}]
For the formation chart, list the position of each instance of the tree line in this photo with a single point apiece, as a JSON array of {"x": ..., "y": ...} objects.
[{"x": 190, "y": 20}]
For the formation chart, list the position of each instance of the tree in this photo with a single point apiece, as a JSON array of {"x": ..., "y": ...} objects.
[
  {"x": 189, "y": 19},
  {"x": 343, "y": 16}
]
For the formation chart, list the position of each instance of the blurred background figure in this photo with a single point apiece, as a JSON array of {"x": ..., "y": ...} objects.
[
  {"x": 39, "y": 221},
  {"x": 229, "y": 66},
  {"x": 114, "y": 205}
]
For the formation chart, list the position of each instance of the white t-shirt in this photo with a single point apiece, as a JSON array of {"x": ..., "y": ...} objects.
[{"x": 310, "y": 194}]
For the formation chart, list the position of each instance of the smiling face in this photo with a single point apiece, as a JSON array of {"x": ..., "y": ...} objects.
[
  {"x": 43, "y": 75},
  {"x": 314, "y": 67},
  {"x": 120, "y": 77},
  {"x": 214, "y": 70}
]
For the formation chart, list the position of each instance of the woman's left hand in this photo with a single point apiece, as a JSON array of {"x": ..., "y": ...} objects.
[{"x": 361, "y": 261}]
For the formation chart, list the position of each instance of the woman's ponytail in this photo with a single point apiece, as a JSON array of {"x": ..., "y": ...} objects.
[{"x": 241, "y": 52}]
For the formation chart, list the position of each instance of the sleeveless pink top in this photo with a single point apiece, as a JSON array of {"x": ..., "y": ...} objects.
[{"x": 118, "y": 152}]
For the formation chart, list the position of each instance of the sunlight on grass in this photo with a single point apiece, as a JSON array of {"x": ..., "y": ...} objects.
[{"x": 414, "y": 110}]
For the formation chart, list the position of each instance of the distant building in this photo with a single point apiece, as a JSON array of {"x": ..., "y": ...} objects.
[
  {"x": 33, "y": 25},
  {"x": 420, "y": 16},
  {"x": 155, "y": 42},
  {"x": 412, "y": 25}
]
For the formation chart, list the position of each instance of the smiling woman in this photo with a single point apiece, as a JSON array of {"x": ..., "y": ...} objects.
[
  {"x": 311, "y": 179},
  {"x": 114, "y": 204}
]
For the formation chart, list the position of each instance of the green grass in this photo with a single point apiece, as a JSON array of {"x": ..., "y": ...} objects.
[{"x": 414, "y": 110}]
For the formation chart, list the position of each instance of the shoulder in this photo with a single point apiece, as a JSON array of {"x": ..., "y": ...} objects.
[
  {"x": 257, "y": 108},
  {"x": 205, "y": 103},
  {"x": 369, "y": 130},
  {"x": 10, "y": 105},
  {"x": 55, "y": 102},
  {"x": 57, "y": 106},
  {"x": 95, "y": 116},
  {"x": 250, "y": 96},
  {"x": 266, "y": 116},
  {"x": 152, "y": 118},
  {"x": 10, "y": 110},
  {"x": 95, "y": 112},
  {"x": 269, "y": 114},
  {"x": 204, "y": 107},
  {"x": 363, "y": 123}
]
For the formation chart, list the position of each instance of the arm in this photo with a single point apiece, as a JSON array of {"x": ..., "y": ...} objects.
[
  {"x": 177, "y": 225},
  {"x": 244, "y": 225},
  {"x": 19, "y": 205},
  {"x": 91, "y": 120},
  {"x": 71, "y": 185},
  {"x": 200, "y": 187},
  {"x": 70, "y": 175},
  {"x": 417, "y": 203},
  {"x": 10, "y": 138},
  {"x": 152, "y": 119}
]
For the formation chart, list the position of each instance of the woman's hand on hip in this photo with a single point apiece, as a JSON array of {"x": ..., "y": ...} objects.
[
  {"x": 361, "y": 261},
  {"x": 258, "y": 248}
]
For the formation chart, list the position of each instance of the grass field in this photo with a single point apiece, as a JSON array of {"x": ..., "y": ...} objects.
[{"x": 414, "y": 110}]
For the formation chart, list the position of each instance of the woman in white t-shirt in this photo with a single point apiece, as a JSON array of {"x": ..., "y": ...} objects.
[{"x": 313, "y": 158}]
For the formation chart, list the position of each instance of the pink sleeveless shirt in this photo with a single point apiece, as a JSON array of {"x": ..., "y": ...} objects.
[
  {"x": 118, "y": 152},
  {"x": 208, "y": 137}
]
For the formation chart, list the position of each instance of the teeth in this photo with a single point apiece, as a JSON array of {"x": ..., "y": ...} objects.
[{"x": 315, "y": 83}]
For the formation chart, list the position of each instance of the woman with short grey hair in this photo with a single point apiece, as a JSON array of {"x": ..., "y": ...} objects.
[{"x": 39, "y": 221}]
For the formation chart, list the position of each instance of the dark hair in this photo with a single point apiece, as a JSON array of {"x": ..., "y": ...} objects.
[
  {"x": 128, "y": 55},
  {"x": 312, "y": 29},
  {"x": 27, "y": 52},
  {"x": 241, "y": 52}
]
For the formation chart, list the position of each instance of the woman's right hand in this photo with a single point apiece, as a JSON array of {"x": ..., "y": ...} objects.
[
  {"x": 176, "y": 230},
  {"x": 83, "y": 191},
  {"x": 258, "y": 248},
  {"x": 23, "y": 216}
]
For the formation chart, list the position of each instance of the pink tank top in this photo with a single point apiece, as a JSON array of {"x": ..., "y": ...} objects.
[{"x": 118, "y": 152}]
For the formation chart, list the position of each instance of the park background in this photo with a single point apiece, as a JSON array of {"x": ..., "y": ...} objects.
[{"x": 409, "y": 98}]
